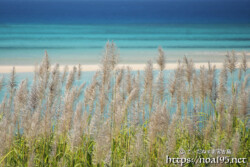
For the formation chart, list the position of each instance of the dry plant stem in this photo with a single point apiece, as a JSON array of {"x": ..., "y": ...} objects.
[{"x": 123, "y": 117}]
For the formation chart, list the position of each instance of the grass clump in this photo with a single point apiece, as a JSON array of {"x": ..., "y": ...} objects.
[{"x": 124, "y": 118}]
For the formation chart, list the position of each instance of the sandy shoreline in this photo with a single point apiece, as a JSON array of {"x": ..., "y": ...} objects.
[{"x": 169, "y": 66}]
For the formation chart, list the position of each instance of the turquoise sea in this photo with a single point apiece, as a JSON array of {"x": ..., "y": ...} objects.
[{"x": 24, "y": 44}]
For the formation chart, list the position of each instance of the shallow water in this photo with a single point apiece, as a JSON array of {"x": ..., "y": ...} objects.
[
  {"x": 73, "y": 44},
  {"x": 87, "y": 77}
]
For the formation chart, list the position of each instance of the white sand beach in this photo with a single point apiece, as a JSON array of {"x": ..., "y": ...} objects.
[{"x": 96, "y": 67}]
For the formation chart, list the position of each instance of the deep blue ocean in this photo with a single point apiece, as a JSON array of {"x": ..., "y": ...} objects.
[
  {"x": 76, "y": 31},
  {"x": 124, "y": 11}
]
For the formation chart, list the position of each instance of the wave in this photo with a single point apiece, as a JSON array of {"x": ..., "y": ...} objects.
[
  {"x": 128, "y": 47},
  {"x": 126, "y": 32},
  {"x": 127, "y": 39}
]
